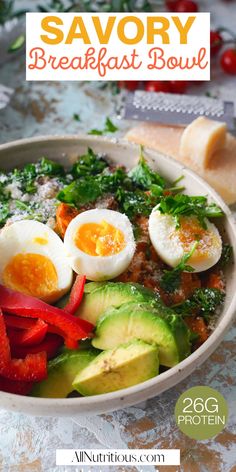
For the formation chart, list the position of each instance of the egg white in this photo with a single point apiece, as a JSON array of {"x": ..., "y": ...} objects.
[
  {"x": 21, "y": 238},
  {"x": 99, "y": 268},
  {"x": 168, "y": 245}
]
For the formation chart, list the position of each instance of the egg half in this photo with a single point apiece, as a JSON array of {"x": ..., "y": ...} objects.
[
  {"x": 33, "y": 261},
  {"x": 172, "y": 243},
  {"x": 100, "y": 243}
]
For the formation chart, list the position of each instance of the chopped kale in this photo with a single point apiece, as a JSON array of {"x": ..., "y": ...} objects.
[
  {"x": 226, "y": 255},
  {"x": 185, "y": 205},
  {"x": 204, "y": 302}
]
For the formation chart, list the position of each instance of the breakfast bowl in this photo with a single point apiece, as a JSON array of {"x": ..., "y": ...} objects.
[{"x": 65, "y": 150}]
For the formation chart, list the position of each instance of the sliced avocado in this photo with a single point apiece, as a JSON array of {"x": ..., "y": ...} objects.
[
  {"x": 100, "y": 296},
  {"x": 61, "y": 373},
  {"x": 158, "y": 325},
  {"x": 91, "y": 286},
  {"x": 122, "y": 367}
]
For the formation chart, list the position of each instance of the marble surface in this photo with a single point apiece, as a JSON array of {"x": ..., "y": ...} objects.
[{"x": 28, "y": 444}]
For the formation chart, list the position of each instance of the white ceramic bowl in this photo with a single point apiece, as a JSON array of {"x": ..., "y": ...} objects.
[{"x": 66, "y": 149}]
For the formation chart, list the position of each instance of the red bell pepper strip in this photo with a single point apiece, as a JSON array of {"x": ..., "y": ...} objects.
[
  {"x": 28, "y": 337},
  {"x": 32, "y": 368},
  {"x": 76, "y": 295},
  {"x": 51, "y": 345},
  {"x": 12, "y": 321},
  {"x": 15, "y": 386},
  {"x": 27, "y": 306},
  {"x": 70, "y": 343},
  {"x": 5, "y": 352}
]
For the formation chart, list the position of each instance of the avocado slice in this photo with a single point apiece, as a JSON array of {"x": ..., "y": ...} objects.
[
  {"x": 61, "y": 373},
  {"x": 100, "y": 296},
  {"x": 121, "y": 367},
  {"x": 153, "y": 324}
]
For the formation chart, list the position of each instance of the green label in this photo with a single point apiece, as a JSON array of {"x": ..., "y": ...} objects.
[{"x": 201, "y": 412}]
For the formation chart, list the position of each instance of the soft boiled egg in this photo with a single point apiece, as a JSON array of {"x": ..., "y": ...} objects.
[
  {"x": 33, "y": 261},
  {"x": 172, "y": 243},
  {"x": 100, "y": 243}
]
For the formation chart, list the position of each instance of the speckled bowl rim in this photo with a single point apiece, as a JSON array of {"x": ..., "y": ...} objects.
[{"x": 132, "y": 395}]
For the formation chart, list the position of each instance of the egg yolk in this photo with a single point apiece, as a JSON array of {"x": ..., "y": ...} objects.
[
  {"x": 191, "y": 231},
  {"x": 41, "y": 241},
  {"x": 99, "y": 239},
  {"x": 32, "y": 274}
]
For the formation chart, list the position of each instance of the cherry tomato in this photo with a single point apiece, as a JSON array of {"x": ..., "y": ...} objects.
[
  {"x": 216, "y": 42},
  {"x": 157, "y": 86},
  {"x": 228, "y": 61},
  {"x": 130, "y": 85},
  {"x": 171, "y": 4},
  {"x": 186, "y": 6},
  {"x": 178, "y": 86}
]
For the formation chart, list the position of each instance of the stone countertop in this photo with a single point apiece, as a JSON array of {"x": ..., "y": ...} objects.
[{"x": 28, "y": 444}]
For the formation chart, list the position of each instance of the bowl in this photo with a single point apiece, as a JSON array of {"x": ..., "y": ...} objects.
[{"x": 66, "y": 149}]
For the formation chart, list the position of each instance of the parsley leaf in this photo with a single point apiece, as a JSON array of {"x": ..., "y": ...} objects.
[
  {"x": 88, "y": 188},
  {"x": 4, "y": 212},
  {"x": 185, "y": 205},
  {"x": 204, "y": 302},
  {"x": 111, "y": 181},
  {"x": 80, "y": 192},
  {"x": 170, "y": 280},
  {"x": 76, "y": 117},
  {"x": 108, "y": 128},
  {"x": 89, "y": 164},
  {"x": 144, "y": 177},
  {"x": 134, "y": 203},
  {"x": 51, "y": 168}
]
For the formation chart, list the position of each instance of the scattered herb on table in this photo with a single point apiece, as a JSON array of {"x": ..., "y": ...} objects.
[
  {"x": 108, "y": 128},
  {"x": 76, "y": 117}
]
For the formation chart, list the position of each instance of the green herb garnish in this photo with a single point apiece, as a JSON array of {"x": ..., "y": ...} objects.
[
  {"x": 17, "y": 44},
  {"x": 108, "y": 128},
  {"x": 204, "y": 302},
  {"x": 144, "y": 177},
  {"x": 185, "y": 205},
  {"x": 133, "y": 203},
  {"x": 226, "y": 255},
  {"x": 76, "y": 117},
  {"x": 171, "y": 279},
  {"x": 50, "y": 168},
  {"x": 80, "y": 192},
  {"x": 89, "y": 164},
  {"x": 21, "y": 205},
  {"x": 4, "y": 212}
]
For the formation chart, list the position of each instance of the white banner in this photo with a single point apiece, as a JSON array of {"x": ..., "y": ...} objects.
[
  {"x": 128, "y": 457},
  {"x": 117, "y": 46}
]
